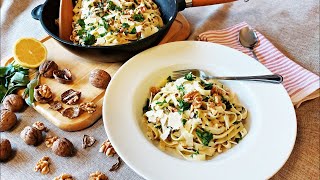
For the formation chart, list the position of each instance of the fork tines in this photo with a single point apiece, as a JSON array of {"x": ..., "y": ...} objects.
[{"x": 180, "y": 73}]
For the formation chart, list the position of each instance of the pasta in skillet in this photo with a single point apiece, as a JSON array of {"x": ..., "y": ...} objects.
[
  {"x": 197, "y": 118},
  {"x": 113, "y": 22}
]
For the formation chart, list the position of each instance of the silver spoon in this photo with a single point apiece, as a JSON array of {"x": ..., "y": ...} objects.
[{"x": 249, "y": 39}]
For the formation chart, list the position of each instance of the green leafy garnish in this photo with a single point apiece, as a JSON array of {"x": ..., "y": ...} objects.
[
  {"x": 169, "y": 79},
  {"x": 106, "y": 25},
  {"x": 227, "y": 103},
  {"x": 133, "y": 31},
  {"x": 238, "y": 139},
  {"x": 206, "y": 86},
  {"x": 184, "y": 121},
  {"x": 138, "y": 17},
  {"x": 125, "y": 25},
  {"x": 161, "y": 103},
  {"x": 81, "y": 23},
  {"x": 189, "y": 77},
  {"x": 204, "y": 136},
  {"x": 89, "y": 40},
  {"x": 183, "y": 105},
  {"x": 146, "y": 107},
  {"x": 30, "y": 90},
  {"x": 181, "y": 89}
]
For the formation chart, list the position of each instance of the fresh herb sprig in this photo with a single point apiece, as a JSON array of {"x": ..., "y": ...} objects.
[
  {"x": 204, "y": 136},
  {"x": 206, "y": 86},
  {"x": 183, "y": 105},
  {"x": 28, "y": 93},
  {"x": 189, "y": 77}
]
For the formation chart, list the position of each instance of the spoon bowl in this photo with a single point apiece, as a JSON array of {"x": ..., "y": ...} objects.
[{"x": 248, "y": 38}]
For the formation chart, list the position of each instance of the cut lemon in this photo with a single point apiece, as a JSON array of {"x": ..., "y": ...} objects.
[{"x": 29, "y": 52}]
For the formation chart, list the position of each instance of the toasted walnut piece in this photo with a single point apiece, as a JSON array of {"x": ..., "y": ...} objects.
[
  {"x": 40, "y": 126},
  {"x": 43, "y": 94},
  {"x": 63, "y": 76},
  {"x": 193, "y": 95},
  {"x": 63, "y": 147},
  {"x": 64, "y": 176},
  {"x": 70, "y": 97},
  {"x": 89, "y": 107},
  {"x": 46, "y": 68},
  {"x": 116, "y": 166},
  {"x": 5, "y": 149},
  {"x": 55, "y": 105},
  {"x": 50, "y": 140},
  {"x": 98, "y": 176},
  {"x": 43, "y": 165},
  {"x": 87, "y": 141},
  {"x": 31, "y": 136},
  {"x": 107, "y": 148},
  {"x": 71, "y": 112},
  {"x": 13, "y": 102},
  {"x": 99, "y": 78},
  {"x": 154, "y": 90},
  {"x": 8, "y": 120}
]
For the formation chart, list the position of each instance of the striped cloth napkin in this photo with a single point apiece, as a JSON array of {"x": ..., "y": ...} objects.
[{"x": 301, "y": 84}]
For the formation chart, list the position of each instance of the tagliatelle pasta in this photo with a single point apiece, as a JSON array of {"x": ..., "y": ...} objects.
[
  {"x": 196, "y": 118},
  {"x": 113, "y": 22}
]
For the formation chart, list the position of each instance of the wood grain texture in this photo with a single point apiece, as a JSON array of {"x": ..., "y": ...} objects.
[{"x": 80, "y": 69}]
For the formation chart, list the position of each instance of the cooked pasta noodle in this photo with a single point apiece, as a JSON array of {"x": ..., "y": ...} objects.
[
  {"x": 197, "y": 118},
  {"x": 112, "y": 22}
]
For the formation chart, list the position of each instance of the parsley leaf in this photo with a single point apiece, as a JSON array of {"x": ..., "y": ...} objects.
[
  {"x": 184, "y": 121},
  {"x": 133, "y": 31},
  {"x": 227, "y": 103},
  {"x": 138, "y": 17},
  {"x": 125, "y": 25},
  {"x": 181, "y": 89},
  {"x": 189, "y": 77},
  {"x": 161, "y": 103},
  {"x": 204, "y": 136},
  {"x": 206, "y": 86},
  {"x": 183, "y": 105},
  {"x": 238, "y": 139},
  {"x": 89, "y": 40},
  {"x": 81, "y": 23},
  {"x": 106, "y": 25}
]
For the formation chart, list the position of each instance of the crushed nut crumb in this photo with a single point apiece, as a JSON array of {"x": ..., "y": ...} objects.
[
  {"x": 43, "y": 165},
  {"x": 107, "y": 148},
  {"x": 98, "y": 176},
  {"x": 87, "y": 141},
  {"x": 50, "y": 140},
  {"x": 64, "y": 176},
  {"x": 116, "y": 166},
  {"x": 40, "y": 126},
  {"x": 89, "y": 107}
]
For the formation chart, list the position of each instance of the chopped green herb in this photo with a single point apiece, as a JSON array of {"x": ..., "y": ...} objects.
[
  {"x": 81, "y": 23},
  {"x": 189, "y": 77},
  {"x": 227, "y": 103},
  {"x": 161, "y": 103},
  {"x": 181, "y": 89},
  {"x": 238, "y": 139},
  {"x": 146, "y": 107},
  {"x": 169, "y": 79},
  {"x": 206, "y": 86},
  {"x": 133, "y": 31},
  {"x": 183, "y": 105},
  {"x": 125, "y": 25},
  {"x": 138, "y": 17},
  {"x": 89, "y": 40},
  {"x": 204, "y": 136},
  {"x": 106, "y": 25},
  {"x": 196, "y": 151},
  {"x": 184, "y": 121}
]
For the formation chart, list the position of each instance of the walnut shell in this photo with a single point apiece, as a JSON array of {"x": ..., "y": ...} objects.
[
  {"x": 31, "y": 136},
  {"x": 5, "y": 149},
  {"x": 70, "y": 97},
  {"x": 8, "y": 120},
  {"x": 63, "y": 147},
  {"x": 63, "y": 76},
  {"x": 99, "y": 78},
  {"x": 46, "y": 68},
  {"x": 13, "y": 102}
]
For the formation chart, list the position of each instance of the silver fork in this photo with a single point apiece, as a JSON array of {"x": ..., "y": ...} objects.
[{"x": 273, "y": 78}]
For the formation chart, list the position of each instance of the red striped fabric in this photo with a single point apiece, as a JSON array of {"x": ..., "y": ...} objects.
[{"x": 298, "y": 81}]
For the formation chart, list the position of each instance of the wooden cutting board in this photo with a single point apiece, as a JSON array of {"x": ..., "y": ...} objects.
[{"x": 80, "y": 69}]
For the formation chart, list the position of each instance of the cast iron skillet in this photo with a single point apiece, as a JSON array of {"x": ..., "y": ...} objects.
[{"x": 49, "y": 11}]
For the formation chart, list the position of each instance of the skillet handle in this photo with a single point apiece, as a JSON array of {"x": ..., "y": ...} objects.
[
  {"x": 208, "y": 2},
  {"x": 36, "y": 12}
]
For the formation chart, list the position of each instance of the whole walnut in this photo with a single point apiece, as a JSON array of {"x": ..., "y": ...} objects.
[
  {"x": 99, "y": 78},
  {"x": 13, "y": 102},
  {"x": 31, "y": 136},
  {"x": 63, "y": 147},
  {"x": 5, "y": 149},
  {"x": 8, "y": 120},
  {"x": 46, "y": 68}
]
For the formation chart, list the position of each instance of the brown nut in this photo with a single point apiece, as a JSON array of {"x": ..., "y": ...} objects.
[
  {"x": 99, "y": 78},
  {"x": 63, "y": 147},
  {"x": 70, "y": 97},
  {"x": 46, "y": 68},
  {"x": 31, "y": 136},
  {"x": 43, "y": 94},
  {"x": 13, "y": 102},
  {"x": 71, "y": 112},
  {"x": 63, "y": 76},
  {"x": 87, "y": 141},
  {"x": 8, "y": 120},
  {"x": 5, "y": 149},
  {"x": 98, "y": 176}
]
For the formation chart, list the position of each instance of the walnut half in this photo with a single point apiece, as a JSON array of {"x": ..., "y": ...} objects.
[
  {"x": 43, "y": 94},
  {"x": 70, "y": 97},
  {"x": 43, "y": 165},
  {"x": 98, "y": 176},
  {"x": 107, "y": 148},
  {"x": 64, "y": 176}
]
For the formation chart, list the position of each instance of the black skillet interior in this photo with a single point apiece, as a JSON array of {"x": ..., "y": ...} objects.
[{"x": 168, "y": 10}]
